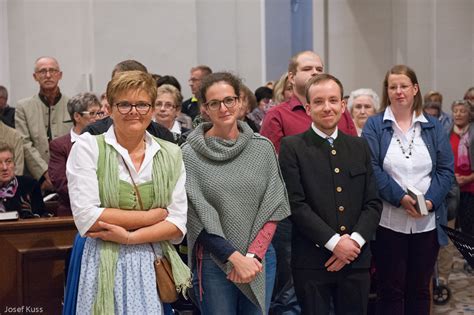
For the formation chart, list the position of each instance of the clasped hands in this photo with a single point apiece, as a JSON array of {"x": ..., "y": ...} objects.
[
  {"x": 345, "y": 252},
  {"x": 245, "y": 268}
]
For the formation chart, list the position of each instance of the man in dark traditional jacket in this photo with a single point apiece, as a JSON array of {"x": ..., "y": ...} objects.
[{"x": 335, "y": 208}]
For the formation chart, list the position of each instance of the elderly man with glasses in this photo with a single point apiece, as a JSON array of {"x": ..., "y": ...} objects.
[
  {"x": 40, "y": 119},
  {"x": 84, "y": 109}
]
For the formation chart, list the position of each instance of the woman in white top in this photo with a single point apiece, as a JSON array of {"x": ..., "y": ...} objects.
[
  {"x": 408, "y": 149},
  {"x": 112, "y": 174}
]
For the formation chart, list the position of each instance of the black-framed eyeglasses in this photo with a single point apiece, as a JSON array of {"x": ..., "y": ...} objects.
[
  {"x": 228, "y": 102},
  {"x": 93, "y": 114},
  {"x": 165, "y": 105},
  {"x": 126, "y": 107},
  {"x": 44, "y": 72}
]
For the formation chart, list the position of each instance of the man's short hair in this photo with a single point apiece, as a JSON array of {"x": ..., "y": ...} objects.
[
  {"x": 293, "y": 64},
  {"x": 3, "y": 91},
  {"x": 168, "y": 79},
  {"x": 317, "y": 79},
  {"x": 46, "y": 57},
  {"x": 263, "y": 92},
  {"x": 206, "y": 70},
  {"x": 129, "y": 65},
  {"x": 80, "y": 103}
]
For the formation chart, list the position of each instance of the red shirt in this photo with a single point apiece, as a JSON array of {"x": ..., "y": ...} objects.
[
  {"x": 454, "y": 140},
  {"x": 290, "y": 118}
]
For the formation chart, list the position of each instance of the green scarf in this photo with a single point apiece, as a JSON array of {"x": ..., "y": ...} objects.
[{"x": 167, "y": 165}]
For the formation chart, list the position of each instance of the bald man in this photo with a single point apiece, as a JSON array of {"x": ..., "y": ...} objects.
[{"x": 41, "y": 118}]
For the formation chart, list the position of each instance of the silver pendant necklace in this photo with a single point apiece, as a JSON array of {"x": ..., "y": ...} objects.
[{"x": 406, "y": 151}]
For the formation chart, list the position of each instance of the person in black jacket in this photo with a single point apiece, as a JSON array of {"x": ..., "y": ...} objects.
[
  {"x": 155, "y": 129},
  {"x": 18, "y": 193},
  {"x": 335, "y": 208}
]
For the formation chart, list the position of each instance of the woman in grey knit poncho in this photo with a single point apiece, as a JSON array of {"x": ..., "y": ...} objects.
[{"x": 236, "y": 196}]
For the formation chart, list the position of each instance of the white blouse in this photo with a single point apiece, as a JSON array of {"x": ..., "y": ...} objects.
[
  {"x": 176, "y": 127},
  {"x": 74, "y": 136},
  {"x": 83, "y": 185},
  {"x": 413, "y": 171}
]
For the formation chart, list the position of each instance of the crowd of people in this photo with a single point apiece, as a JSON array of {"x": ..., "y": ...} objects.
[{"x": 278, "y": 197}]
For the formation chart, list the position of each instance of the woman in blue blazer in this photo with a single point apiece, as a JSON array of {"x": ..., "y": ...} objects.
[{"x": 408, "y": 149}]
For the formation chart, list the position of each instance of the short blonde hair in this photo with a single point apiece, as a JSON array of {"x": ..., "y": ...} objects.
[
  {"x": 131, "y": 81},
  {"x": 293, "y": 64}
]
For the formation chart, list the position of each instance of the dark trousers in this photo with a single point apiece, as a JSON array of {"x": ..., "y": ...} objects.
[
  {"x": 348, "y": 289},
  {"x": 466, "y": 213},
  {"x": 404, "y": 266},
  {"x": 284, "y": 300}
]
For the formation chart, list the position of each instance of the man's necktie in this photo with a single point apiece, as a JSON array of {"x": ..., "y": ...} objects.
[{"x": 331, "y": 141}]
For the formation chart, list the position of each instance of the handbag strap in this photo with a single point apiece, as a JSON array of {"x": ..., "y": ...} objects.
[
  {"x": 140, "y": 203},
  {"x": 138, "y": 197}
]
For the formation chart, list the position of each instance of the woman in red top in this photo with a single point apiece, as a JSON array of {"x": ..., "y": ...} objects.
[{"x": 462, "y": 143}]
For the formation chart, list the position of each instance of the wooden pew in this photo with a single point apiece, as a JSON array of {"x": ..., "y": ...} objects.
[{"x": 33, "y": 254}]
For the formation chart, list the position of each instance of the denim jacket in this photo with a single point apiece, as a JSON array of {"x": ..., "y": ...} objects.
[{"x": 379, "y": 135}]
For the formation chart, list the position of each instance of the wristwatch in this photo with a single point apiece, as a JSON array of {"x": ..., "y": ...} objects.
[{"x": 252, "y": 255}]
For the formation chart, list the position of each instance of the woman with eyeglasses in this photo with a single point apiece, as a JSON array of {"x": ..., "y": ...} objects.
[
  {"x": 236, "y": 196},
  {"x": 127, "y": 197},
  {"x": 408, "y": 149},
  {"x": 462, "y": 144},
  {"x": 167, "y": 108},
  {"x": 84, "y": 109}
]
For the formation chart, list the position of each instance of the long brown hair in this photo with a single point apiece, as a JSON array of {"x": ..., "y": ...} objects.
[{"x": 405, "y": 70}]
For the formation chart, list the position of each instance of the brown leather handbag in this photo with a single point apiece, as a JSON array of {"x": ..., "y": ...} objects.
[{"x": 165, "y": 281}]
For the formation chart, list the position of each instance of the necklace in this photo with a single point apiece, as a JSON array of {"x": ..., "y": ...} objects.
[{"x": 406, "y": 152}]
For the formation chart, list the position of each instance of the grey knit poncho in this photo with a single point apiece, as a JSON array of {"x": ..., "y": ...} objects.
[{"x": 234, "y": 187}]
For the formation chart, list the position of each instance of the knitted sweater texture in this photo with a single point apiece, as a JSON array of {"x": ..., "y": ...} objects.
[{"x": 234, "y": 187}]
